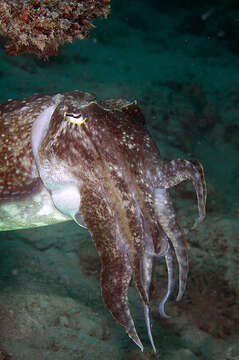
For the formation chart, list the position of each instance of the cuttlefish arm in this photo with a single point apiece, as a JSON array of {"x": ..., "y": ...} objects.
[
  {"x": 113, "y": 250},
  {"x": 170, "y": 175},
  {"x": 176, "y": 171}
]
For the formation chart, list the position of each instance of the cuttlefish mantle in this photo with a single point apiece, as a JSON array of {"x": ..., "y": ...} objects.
[{"x": 69, "y": 156}]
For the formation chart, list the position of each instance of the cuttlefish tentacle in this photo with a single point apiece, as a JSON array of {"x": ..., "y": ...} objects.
[
  {"x": 166, "y": 251},
  {"x": 171, "y": 265},
  {"x": 167, "y": 219},
  {"x": 145, "y": 272}
]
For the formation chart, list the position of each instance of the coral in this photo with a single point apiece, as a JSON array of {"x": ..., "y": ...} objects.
[{"x": 41, "y": 26}]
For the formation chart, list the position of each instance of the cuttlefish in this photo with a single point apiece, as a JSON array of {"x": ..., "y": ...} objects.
[{"x": 69, "y": 156}]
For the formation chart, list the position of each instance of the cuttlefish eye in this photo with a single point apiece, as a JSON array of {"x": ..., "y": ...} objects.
[{"x": 74, "y": 118}]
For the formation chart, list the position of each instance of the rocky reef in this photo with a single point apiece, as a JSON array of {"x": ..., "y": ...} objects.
[{"x": 41, "y": 26}]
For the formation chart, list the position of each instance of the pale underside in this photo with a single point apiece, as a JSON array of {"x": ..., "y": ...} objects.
[{"x": 34, "y": 211}]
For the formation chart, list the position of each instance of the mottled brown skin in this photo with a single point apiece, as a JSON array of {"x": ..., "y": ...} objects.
[
  {"x": 112, "y": 161},
  {"x": 18, "y": 173}
]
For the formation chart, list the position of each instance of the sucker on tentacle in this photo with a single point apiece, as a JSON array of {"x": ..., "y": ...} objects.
[{"x": 68, "y": 156}]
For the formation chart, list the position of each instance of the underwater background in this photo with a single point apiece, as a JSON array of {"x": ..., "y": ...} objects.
[{"x": 180, "y": 60}]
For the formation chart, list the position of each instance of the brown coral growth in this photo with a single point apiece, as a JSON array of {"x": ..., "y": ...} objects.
[{"x": 41, "y": 26}]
